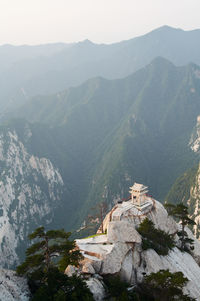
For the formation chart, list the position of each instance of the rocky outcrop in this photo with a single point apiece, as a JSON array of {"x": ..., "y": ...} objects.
[
  {"x": 122, "y": 231},
  {"x": 97, "y": 288},
  {"x": 120, "y": 251},
  {"x": 186, "y": 189},
  {"x": 13, "y": 288},
  {"x": 194, "y": 203},
  {"x": 30, "y": 190},
  {"x": 174, "y": 261},
  {"x": 195, "y": 137}
]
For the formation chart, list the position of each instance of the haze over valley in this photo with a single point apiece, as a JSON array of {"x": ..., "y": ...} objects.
[
  {"x": 81, "y": 122},
  {"x": 70, "y": 140}
]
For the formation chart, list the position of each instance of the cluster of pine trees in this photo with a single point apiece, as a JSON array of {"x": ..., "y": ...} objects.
[
  {"x": 44, "y": 267},
  {"x": 160, "y": 286},
  {"x": 53, "y": 251}
]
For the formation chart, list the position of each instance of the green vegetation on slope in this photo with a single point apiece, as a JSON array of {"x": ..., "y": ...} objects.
[
  {"x": 45, "y": 273},
  {"x": 103, "y": 135},
  {"x": 186, "y": 190},
  {"x": 180, "y": 191},
  {"x": 155, "y": 239}
]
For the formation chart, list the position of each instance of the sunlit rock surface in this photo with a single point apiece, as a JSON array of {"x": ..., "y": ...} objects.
[
  {"x": 122, "y": 231},
  {"x": 120, "y": 252}
]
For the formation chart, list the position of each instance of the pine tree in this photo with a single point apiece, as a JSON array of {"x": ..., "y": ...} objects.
[
  {"x": 43, "y": 254},
  {"x": 153, "y": 238},
  {"x": 49, "y": 255},
  {"x": 45, "y": 262},
  {"x": 116, "y": 288},
  {"x": 180, "y": 212},
  {"x": 165, "y": 286},
  {"x": 60, "y": 287},
  {"x": 95, "y": 220}
]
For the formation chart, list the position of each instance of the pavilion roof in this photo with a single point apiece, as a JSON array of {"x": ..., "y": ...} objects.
[{"x": 138, "y": 187}]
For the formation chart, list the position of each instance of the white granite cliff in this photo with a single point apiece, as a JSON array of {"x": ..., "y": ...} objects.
[
  {"x": 30, "y": 190},
  {"x": 13, "y": 288},
  {"x": 120, "y": 252}
]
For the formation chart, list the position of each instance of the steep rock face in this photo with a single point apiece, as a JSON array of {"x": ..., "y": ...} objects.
[
  {"x": 120, "y": 250},
  {"x": 122, "y": 231},
  {"x": 30, "y": 190},
  {"x": 175, "y": 261},
  {"x": 13, "y": 288},
  {"x": 195, "y": 137},
  {"x": 194, "y": 203},
  {"x": 189, "y": 182},
  {"x": 186, "y": 189},
  {"x": 96, "y": 287}
]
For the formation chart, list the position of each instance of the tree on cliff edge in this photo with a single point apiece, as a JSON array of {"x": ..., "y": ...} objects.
[
  {"x": 95, "y": 220},
  {"x": 44, "y": 264},
  {"x": 44, "y": 254},
  {"x": 180, "y": 213},
  {"x": 165, "y": 286}
]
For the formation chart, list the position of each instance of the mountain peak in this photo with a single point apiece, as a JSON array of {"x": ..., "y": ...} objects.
[
  {"x": 161, "y": 62},
  {"x": 86, "y": 42},
  {"x": 165, "y": 30}
]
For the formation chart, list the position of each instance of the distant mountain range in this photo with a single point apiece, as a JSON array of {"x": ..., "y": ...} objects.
[
  {"x": 64, "y": 152},
  {"x": 143, "y": 122},
  {"x": 30, "y": 70}
]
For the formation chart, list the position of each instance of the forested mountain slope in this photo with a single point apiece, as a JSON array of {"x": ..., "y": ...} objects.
[{"x": 105, "y": 134}]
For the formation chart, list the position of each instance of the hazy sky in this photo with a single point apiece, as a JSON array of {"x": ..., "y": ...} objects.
[{"x": 102, "y": 21}]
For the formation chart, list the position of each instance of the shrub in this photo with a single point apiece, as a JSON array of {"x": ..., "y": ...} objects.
[
  {"x": 45, "y": 262},
  {"x": 165, "y": 286},
  {"x": 117, "y": 289},
  {"x": 153, "y": 238},
  {"x": 180, "y": 213}
]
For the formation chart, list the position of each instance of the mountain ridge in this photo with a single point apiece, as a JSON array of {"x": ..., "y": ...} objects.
[
  {"x": 81, "y": 61},
  {"x": 102, "y": 125}
]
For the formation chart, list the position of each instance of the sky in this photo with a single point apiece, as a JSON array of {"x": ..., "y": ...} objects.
[{"x": 101, "y": 21}]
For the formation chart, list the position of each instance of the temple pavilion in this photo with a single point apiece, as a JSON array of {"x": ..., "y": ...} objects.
[{"x": 138, "y": 194}]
